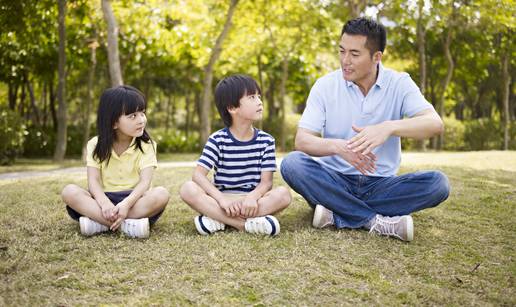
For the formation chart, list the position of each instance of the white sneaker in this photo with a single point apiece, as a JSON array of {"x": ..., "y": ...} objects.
[
  {"x": 264, "y": 225},
  {"x": 322, "y": 217},
  {"x": 136, "y": 228},
  {"x": 401, "y": 227},
  {"x": 207, "y": 226},
  {"x": 90, "y": 227}
]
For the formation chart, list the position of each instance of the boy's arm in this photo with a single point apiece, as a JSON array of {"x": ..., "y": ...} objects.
[
  {"x": 200, "y": 177},
  {"x": 250, "y": 203},
  {"x": 122, "y": 209},
  {"x": 95, "y": 188}
]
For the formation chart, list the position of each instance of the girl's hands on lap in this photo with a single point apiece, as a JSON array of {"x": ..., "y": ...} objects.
[
  {"x": 107, "y": 211},
  {"x": 120, "y": 211}
]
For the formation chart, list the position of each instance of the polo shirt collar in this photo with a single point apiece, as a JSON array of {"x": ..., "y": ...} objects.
[
  {"x": 380, "y": 79},
  {"x": 130, "y": 150}
]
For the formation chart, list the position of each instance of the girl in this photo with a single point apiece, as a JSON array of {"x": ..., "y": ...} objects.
[{"x": 120, "y": 164}]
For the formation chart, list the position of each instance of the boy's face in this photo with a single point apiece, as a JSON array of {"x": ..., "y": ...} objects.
[{"x": 250, "y": 109}]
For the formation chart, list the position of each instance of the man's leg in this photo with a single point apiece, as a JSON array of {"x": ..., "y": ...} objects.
[
  {"x": 402, "y": 195},
  {"x": 321, "y": 185}
]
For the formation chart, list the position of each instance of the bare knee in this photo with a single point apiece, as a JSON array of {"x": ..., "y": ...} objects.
[
  {"x": 70, "y": 192},
  {"x": 161, "y": 195},
  {"x": 284, "y": 196},
  {"x": 188, "y": 190}
]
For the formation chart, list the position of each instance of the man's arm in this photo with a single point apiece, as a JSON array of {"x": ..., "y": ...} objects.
[
  {"x": 313, "y": 144},
  {"x": 424, "y": 124}
]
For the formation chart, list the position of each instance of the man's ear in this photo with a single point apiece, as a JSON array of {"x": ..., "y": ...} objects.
[{"x": 377, "y": 57}]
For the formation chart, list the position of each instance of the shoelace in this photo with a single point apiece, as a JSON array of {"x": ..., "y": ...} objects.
[{"x": 385, "y": 227}]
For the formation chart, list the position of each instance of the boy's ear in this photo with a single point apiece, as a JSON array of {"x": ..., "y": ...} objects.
[{"x": 232, "y": 110}]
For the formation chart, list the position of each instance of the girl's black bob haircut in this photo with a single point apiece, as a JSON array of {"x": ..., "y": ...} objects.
[{"x": 115, "y": 102}]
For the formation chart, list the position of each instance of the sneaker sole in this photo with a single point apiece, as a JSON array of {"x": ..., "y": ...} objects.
[
  {"x": 201, "y": 229},
  {"x": 410, "y": 229},
  {"x": 318, "y": 214}
]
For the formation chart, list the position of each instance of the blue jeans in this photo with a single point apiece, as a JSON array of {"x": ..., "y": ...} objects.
[{"x": 356, "y": 199}]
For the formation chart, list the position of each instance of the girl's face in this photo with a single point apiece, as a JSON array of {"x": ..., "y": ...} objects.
[{"x": 131, "y": 125}]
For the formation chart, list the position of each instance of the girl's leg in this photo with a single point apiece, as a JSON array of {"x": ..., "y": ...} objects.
[
  {"x": 194, "y": 196},
  {"x": 274, "y": 201},
  {"x": 151, "y": 203},
  {"x": 81, "y": 201}
]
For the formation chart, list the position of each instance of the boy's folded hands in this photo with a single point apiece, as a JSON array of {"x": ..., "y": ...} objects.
[
  {"x": 249, "y": 207},
  {"x": 231, "y": 207}
]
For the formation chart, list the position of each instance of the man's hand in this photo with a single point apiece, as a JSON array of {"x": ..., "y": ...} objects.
[
  {"x": 231, "y": 207},
  {"x": 120, "y": 211},
  {"x": 249, "y": 207},
  {"x": 369, "y": 137},
  {"x": 364, "y": 163}
]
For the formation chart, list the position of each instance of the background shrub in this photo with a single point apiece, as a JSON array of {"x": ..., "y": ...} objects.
[{"x": 12, "y": 136}]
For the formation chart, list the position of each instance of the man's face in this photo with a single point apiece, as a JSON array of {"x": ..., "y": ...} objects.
[{"x": 355, "y": 59}]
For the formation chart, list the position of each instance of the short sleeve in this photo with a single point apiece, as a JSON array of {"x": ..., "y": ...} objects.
[
  {"x": 313, "y": 117},
  {"x": 210, "y": 154},
  {"x": 413, "y": 100},
  {"x": 269, "y": 158},
  {"x": 90, "y": 147},
  {"x": 148, "y": 158}
]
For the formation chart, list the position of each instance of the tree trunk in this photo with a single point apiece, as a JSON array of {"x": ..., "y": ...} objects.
[
  {"x": 13, "y": 94},
  {"x": 355, "y": 7},
  {"x": 52, "y": 103},
  {"x": 283, "y": 93},
  {"x": 439, "y": 140},
  {"x": 89, "y": 100},
  {"x": 205, "y": 109},
  {"x": 421, "y": 33},
  {"x": 34, "y": 107},
  {"x": 60, "y": 149},
  {"x": 187, "y": 120},
  {"x": 115, "y": 72},
  {"x": 260, "y": 82},
  {"x": 506, "y": 82}
]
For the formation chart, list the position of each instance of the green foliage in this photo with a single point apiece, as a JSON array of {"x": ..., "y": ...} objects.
[
  {"x": 41, "y": 141},
  {"x": 175, "y": 141},
  {"x": 12, "y": 132},
  {"x": 483, "y": 134},
  {"x": 453, "y": 134}
]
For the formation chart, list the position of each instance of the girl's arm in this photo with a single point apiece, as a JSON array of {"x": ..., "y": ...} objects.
[
  {"x": 200, "y": 177},
  {"x": 95, "y": 188},
  {"x": 122, "y": 209},
  {"x": 250, "y": 203}
]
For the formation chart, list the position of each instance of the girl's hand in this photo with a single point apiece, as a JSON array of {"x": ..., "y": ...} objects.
[
  {"x": 249, "y": 207},
  {"x": 231, "y": 207},
  {"x": 121, "y": 211},
  {"x": 107, "y": 211}
]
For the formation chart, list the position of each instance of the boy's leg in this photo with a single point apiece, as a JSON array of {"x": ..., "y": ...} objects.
[
  {"x": 274, "y": 201},
  {"x": 194, "y": 196},
  {"x": 151, "y": 203},
  {"x": 82, "y": 202}
]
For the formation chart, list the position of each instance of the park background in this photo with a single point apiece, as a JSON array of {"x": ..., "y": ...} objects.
[{"x": 56, "y": 58}]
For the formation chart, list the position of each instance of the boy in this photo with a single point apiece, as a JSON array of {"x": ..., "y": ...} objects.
[{"x": 241, "y": 194}]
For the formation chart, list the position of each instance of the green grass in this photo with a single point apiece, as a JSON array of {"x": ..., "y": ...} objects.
[{"x": 463, "y": 252}]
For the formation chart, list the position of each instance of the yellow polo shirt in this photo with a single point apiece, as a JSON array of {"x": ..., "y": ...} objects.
[{"x": 123, "y": 172}]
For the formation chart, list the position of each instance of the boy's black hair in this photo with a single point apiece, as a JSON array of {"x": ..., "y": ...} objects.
[
  {"x": 374, "y": 31},
  {"x": 230, "y": 90},
  {"x": 115, "y": 102}
]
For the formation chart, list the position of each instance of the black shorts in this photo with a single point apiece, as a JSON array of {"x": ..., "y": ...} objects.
[{"x": 115, "y": 198}]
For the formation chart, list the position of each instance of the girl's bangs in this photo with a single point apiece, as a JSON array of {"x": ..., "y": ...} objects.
[{"x": 133, "y": 102}]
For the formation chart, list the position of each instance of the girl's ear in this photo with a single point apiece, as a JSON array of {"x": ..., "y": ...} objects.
[
  {"x": 232, "y": 110},
  {"x": 115, "y": 126}
]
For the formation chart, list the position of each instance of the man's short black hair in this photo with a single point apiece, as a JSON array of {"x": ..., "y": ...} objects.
[
  {"x": 375, "y": 32},
  {"x": 230, "y": 90}
]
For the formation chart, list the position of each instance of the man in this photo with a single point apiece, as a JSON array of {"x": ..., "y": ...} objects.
[{"x": 353, "y": 121}]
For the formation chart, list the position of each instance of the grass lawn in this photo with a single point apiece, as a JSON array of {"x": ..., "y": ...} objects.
[{"x": 463, "y": 252}]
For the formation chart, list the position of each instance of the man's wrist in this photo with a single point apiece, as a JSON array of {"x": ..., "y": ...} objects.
[{"x": 391, "y": 126}]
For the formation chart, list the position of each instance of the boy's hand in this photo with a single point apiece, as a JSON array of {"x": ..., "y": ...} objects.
[
  {"x": 107, "y": 211},
  {"x": 121, "y": 211},
  {"x": 249, "y": 207},
  {"x": 232, "y": 207}
]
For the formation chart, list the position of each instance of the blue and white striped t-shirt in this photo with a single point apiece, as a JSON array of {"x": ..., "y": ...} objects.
[{"x": 238, "y": 165}]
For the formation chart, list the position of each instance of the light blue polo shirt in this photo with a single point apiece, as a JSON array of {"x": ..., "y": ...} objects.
[{"x": 334, "y": 104}]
